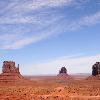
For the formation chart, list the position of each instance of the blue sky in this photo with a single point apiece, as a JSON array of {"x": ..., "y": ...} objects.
[{"x": 44, "y": 35}]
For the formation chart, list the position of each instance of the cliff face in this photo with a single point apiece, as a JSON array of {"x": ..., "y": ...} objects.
[
  {"x": 95, "y": 72},
  {"x": 63, "y": 70},
  {"x": 63, "y": 75},
  {"x": 10, "y": 73},
  {"x": 96, "y": 69},
  {"x": 9, "y": 67}
]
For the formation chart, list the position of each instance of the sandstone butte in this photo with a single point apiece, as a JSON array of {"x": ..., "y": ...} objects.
[
  {"x": 11, "y": 74},
  {"x": 95, "y": 72},
  {"x": 46, "y": 88},
  {"x": 63, "y": 74}
]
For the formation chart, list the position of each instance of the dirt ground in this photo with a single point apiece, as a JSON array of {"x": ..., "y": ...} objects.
[{"x": 52, "y": 88}]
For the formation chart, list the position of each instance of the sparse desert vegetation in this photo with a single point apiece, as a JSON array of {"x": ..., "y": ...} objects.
[
  {"x": 14, "y": 86},
  {"x": 52, "y": 88}
]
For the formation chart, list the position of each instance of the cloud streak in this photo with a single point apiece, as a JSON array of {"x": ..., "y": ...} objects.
[
  {"x": 37, "y": 21},
  {"x": 74, "y": 64},
  {"x": 86, "y": 21}
]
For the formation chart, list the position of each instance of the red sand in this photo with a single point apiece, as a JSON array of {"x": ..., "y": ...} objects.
[{"x": 52, "y": 88}]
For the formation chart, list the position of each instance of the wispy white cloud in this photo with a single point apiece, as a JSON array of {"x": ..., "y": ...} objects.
[
  {"x": 21, "y": 7},
  {"x": 85, "y": 21},
  {"x": 43, "y": 23},
  {"x": 74, "y": 64},
  {"x": 38, "y": 4},
  {"x": 21, "y": 38},
  {"x": 18, "y": 11},
  {"x": 19, "y": 43}
]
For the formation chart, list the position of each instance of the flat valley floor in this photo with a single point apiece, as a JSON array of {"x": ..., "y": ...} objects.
[{"x": 52, "y": 88}]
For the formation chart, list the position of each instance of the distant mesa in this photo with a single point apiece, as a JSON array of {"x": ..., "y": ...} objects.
[
  {"x": 10, "y": 73},
  {"x": 63, "y": 73},
  {"x": 95, "y": 71},
  {"x": 9, "y": 67}
]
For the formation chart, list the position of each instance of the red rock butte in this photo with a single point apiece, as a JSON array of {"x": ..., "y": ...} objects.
[
  {"x": 95, "y": 72},
  {"x": 10, "y": 73},
  {"x": 63, "y": 73}
]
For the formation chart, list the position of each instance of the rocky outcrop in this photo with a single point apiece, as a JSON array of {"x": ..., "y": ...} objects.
[
  {"x": 63, "y": 74},
  {"x": 9, "y": 67},
  {"x": 63, "y": 70},
  {"x": 96, "y": 69},
  {"x": 95, "y": 72},
  {"x": 11, "y": 74}
]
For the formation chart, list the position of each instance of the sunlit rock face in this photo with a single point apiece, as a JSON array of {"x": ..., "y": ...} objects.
[
  {"x": 96, "y": 69},
  {"x": 10, "y": 73},
  {"x": 9, "y": 67}
]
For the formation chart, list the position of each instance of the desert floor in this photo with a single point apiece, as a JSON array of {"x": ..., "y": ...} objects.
[{"x": 52, "y": 88}]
